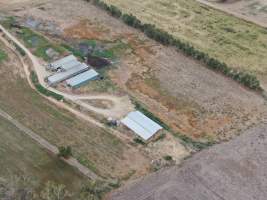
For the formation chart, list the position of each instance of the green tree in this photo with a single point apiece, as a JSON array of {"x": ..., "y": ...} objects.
[{"x": 65, "y": 152}]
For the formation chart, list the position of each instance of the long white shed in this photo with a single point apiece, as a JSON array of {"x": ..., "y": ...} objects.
[
  {"x": 82, "y": 78},
  {"x": 141, "y": 124},
  {"x": 69, "y": 65},
  {"x": 62, "y": 76},
  {"x": 57, "y": 64}
]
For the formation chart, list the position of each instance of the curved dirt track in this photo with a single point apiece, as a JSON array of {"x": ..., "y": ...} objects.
[{"x": 235, "y": 170}]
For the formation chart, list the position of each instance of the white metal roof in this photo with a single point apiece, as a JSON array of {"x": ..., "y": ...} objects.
[
  {"x": 83, "y": 77},
  {"x": 70, "y": 64},
  {"x": 62, "y": 61},
  {"x": 61, "y": 76},
  {"x": 141, "y": 124}
]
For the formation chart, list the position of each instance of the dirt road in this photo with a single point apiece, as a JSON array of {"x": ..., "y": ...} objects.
[
  {"x": 51, "y": 148},
  {"x": 233, "y": 170}
]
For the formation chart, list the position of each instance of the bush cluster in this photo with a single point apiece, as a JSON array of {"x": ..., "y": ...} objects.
[
  {"x": 163, "y": 37},
  {"x": 64, "y": 152},
  {"x": 43, "y": 90}
]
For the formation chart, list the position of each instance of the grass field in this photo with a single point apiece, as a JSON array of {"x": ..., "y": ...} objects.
[
  {"x": 240, "y": 44},
  {"x": 22, "y": 157}
]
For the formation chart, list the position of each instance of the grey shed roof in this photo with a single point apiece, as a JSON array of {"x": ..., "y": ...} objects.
[
  {"x": 61, "y": 76},
  {"x": 70, "y": 64},
  {"x": 81, "y": 78},
  {"x": 141, "y": 124},
  {"x": 62, "y": 61}
]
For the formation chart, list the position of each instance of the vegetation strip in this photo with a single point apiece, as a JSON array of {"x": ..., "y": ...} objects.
[
  {"x": 247, "y": 79},
  {"x": 3, "y": 55},
  {"x": 43, "y": 90}
]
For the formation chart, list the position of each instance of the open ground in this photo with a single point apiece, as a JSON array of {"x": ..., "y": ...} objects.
[
  {"x": 184, "y": 94},
  {"x": 191, "y": 99},
  {"x": 234, "y": 170}
]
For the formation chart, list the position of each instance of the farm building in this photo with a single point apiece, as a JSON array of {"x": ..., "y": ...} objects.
[
  {"x": 141, "y": 124},
  {"x": 69, "y": 65},
  {"x": 59, "y": 63},
  {"x": 82, "y": 78},
  {"x": 62, "y": 76}
]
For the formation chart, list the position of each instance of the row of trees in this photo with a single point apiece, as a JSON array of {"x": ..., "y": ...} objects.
[{"x": 163, "y": 37}]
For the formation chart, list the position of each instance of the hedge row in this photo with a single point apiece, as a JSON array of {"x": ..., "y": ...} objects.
[
  {"x": 247, "y": 79},
  {"x": 43, "y": 90}
]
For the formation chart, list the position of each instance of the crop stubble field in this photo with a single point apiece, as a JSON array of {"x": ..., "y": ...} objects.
[{"x": 250, "y": 10}]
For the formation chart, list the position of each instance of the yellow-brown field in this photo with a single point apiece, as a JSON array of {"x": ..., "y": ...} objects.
[{"x": 238, "y": 43}]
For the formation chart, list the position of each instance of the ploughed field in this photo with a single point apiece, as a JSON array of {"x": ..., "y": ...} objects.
[
  {"x": 233, "y": 170},
  {"x": 238, "y": 43}
]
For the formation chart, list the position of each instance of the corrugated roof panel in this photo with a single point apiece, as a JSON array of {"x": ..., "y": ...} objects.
[
  {"x": 83, "y": 77},
  {"x": 139, "y": 130},
  {"x": 61, "y": 61},
  {"x": 61, "y": 76},
  {"x": 70, "y": 64},
  {"x": 141, "y": 124},
  {"x": 143, "y": 120}
]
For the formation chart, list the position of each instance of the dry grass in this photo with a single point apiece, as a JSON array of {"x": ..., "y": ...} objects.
[
  {"x": 22, "y": 157},
  {"x": 236, "y": 42}
]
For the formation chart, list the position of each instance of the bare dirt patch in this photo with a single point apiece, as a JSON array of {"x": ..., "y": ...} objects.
[
  {"x": 101, "y": 103},
  {"x": 217, "y": 173}
]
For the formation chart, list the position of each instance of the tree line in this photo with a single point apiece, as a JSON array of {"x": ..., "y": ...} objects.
[{"x": 247, "y": 79}]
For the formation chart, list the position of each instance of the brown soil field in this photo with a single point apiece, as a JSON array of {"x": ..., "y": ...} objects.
[
  {"x": 186, "y": 95},
  {"x": 233, "y": 170},
  {"x": 250, "y": 10}
]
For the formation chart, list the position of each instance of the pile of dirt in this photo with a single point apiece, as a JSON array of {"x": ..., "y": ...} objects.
[{"x": 97, "y": 62}]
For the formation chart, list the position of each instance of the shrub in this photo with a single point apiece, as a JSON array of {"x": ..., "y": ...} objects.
[
  {"x": 168, "y": 158},
  {"x": 64, "y": 152},
  {"x": 139, "y": 141}
]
